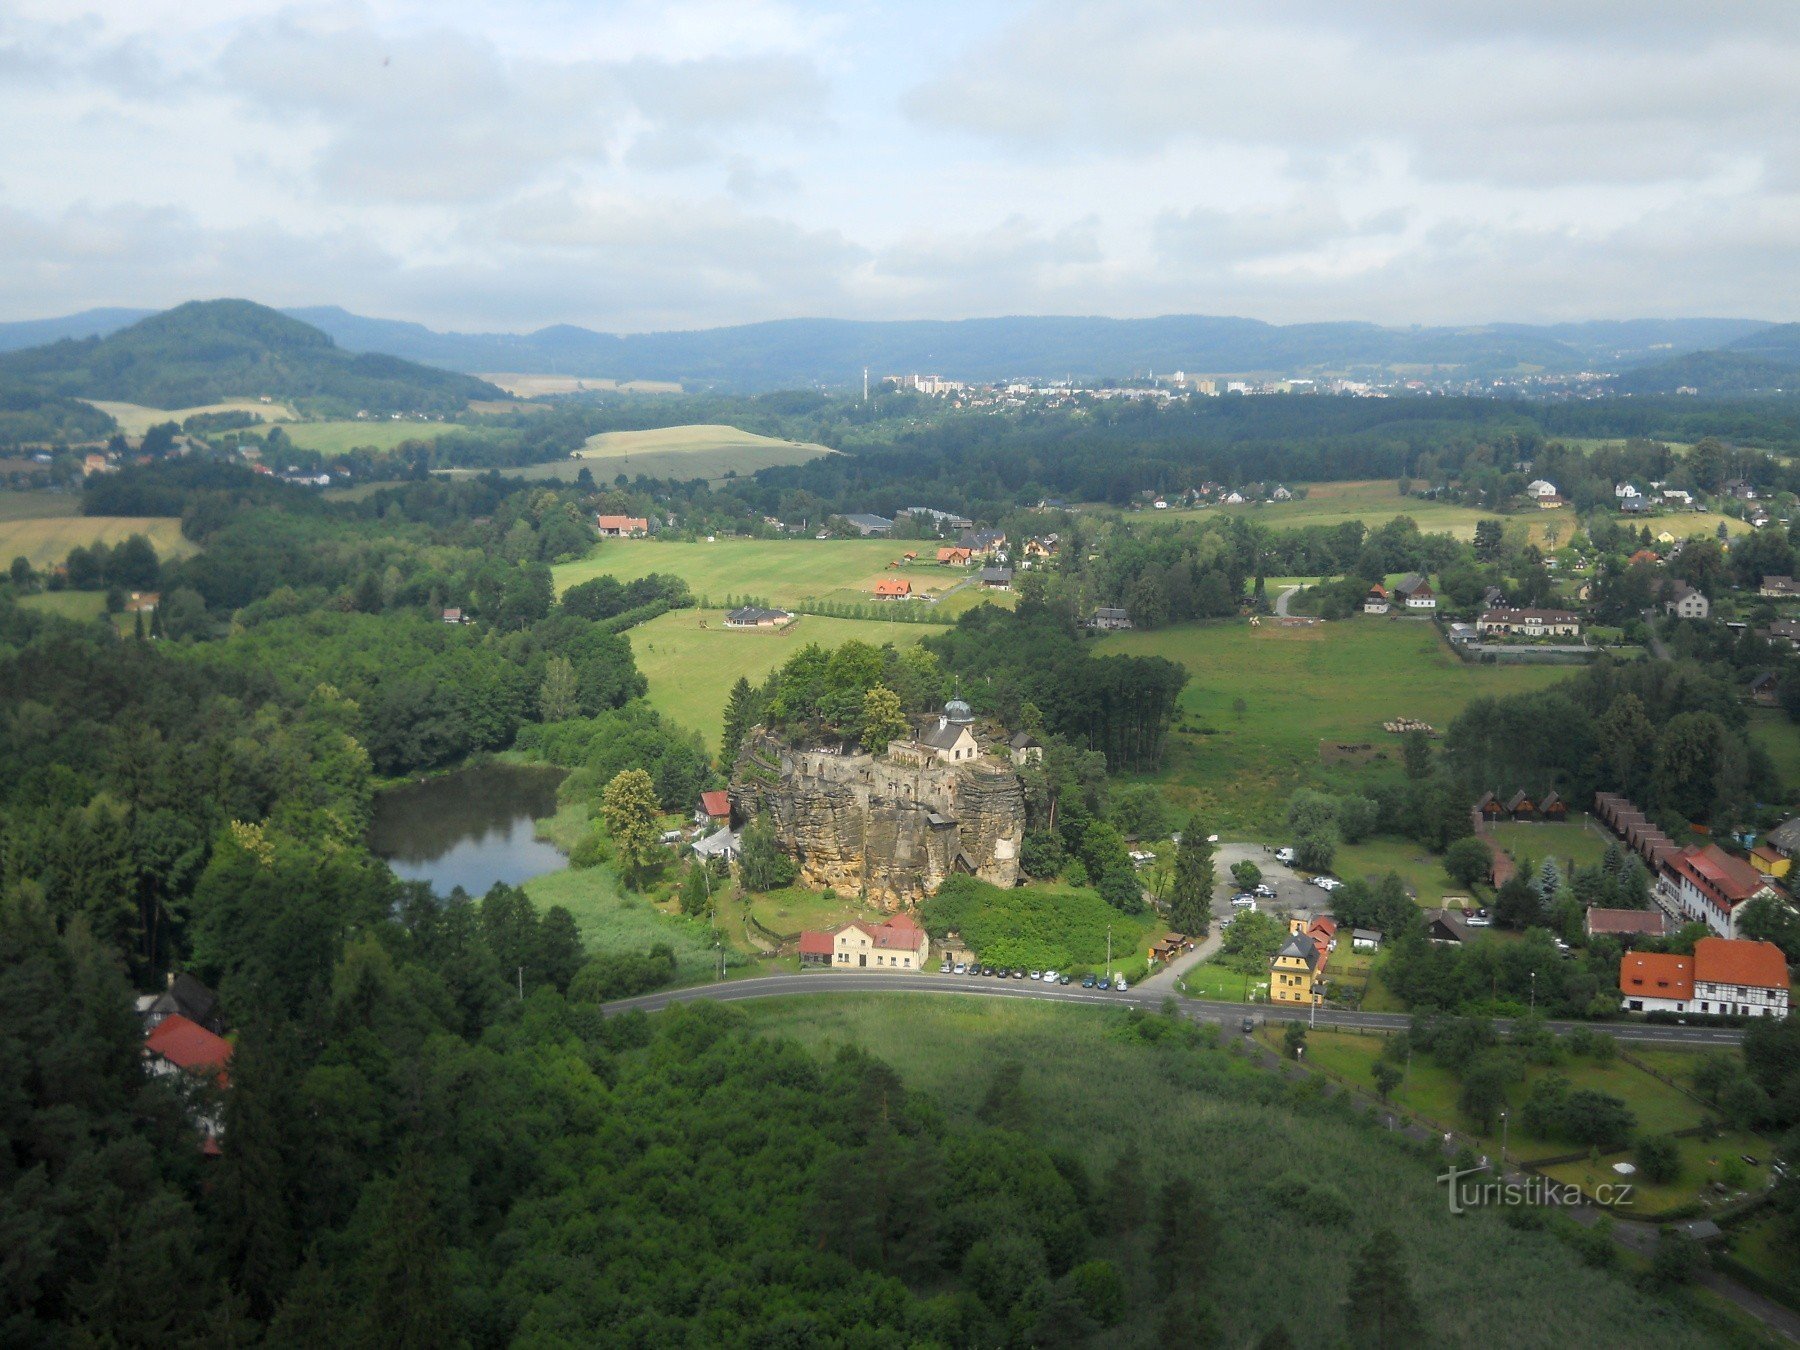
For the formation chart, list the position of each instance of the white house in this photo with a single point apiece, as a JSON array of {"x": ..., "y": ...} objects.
[
  {"x": 1414, "y": 592},
  {"x": 1713, "y": 887},
  {"x": 1540, "y": 487},
  {"x": 1685, "y": 602},
  {"x": 1746, "y": 979},
  {"x": 1655, "y": 982},
  {"x": 951, "y": 739},
  {"x": 1624, "y": 490}
]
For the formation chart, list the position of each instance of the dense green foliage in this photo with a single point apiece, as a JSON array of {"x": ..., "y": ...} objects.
[
  {"x": 1057, "y": 929},
  {"x": 207, "y": 351},
  {"x": 30, "y": 416}
]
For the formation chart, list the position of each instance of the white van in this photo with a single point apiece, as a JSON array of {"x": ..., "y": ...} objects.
[{"x": 1285, "y": 855}]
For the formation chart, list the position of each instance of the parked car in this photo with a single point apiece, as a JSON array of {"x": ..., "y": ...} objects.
[
  {"x": 1263, "y": 889},
  {"x": 1119, "y": 983},
  {"x": 944, "y": 969},
  {"x": 1062, "y": 979},
  {"x": 1477, "y": 918},
  {"x": 1018, "y": 972},
  {"x": 1037, "y": 974},
  {"x": 1243, "y": 902},
  {"x": 962, "y": 967},
  {"x": 1049, "y": 977},
  {"x": 1249, "y": 1025},
  {"x": 1327, "y": 884},
  {"x": 987, "y": 970},
  {"x": 1087, "y": 981},
  {"x": 1285, "y": 855}
]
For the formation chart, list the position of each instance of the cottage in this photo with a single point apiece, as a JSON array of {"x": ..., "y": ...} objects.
[
  {"x": 983, "y": 541},
  {"x": 1782, "y": 632},
  {"x": 1521, "y": 807},
  {"x": 1771, "y": 861},
  {"x": 1684, "y": 602},
  {"x": 622, "y": 527},
  {"x": 752, "y": 616},
  {"x": 1785, "y": 838},
  {"x": 1552, "y": 807},
  {"x": 1106, "y": 620},
  {"x": 1540, "y": 488},
  {"x": 1489, "y": 807},
  {"x": 184, "y": 996},
  {"x": 1765, "y": 689},
  {"x": 143, "y": 602},
  {"x": 722, "y": 843},
  {"x": 714, "y": 807},
  {"x": 996, "y": 578},
  {"x": 954, "y": 556},
  {"x": 1365, "y": 940},
  {"x": 893, "y": 588},
  {"x": 1026, "y": 749},
  {"x": 1445, "y": 928},
  {"x": 177, "y": 1045},
  {"x": 1722, "y": 977},
  {"x": 1779, "y": 588},
  {"x": 1376, "y": 601},
  {"x": 1414, "y": 592},
  {"x": 1297, "y": 970},
  {"x": 897, "y": 944}
]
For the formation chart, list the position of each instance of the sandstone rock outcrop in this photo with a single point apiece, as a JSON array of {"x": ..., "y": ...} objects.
[{"x": 891, "y": 827}]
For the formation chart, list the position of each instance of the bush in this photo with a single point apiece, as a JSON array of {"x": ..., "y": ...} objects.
[
  {"x": 591, "y": 850},
  {"x": 1577, "y": 1116},
  {"x": 1058, "y": 929},
  {"x": 1658, "y": 1158},
  {"x": 623, "y": 974}
]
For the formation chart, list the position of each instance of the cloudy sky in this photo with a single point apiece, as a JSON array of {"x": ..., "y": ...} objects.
[{"x": 633, "y": 166}]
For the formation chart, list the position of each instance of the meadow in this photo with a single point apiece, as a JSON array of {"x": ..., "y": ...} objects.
[
  {"x": 1302, "y": 689},
  {"x": 702, "y": 450},
  {"x": 341, "y": 437},
  {"x": 537, "y": 386},
  {"x": 46, "y": 540},
  {"x": 611, "y": 920},
  {"x": 36, "y": 505},
  {"x": 135, "y": 419},
  {"x": 691, "y": 669},
  {"x": 82, "y": 606},
  {"x": 1293, "y": 1188},
  {"x": 1573, "y": 840},
  {"x": 1771, "y": 729},
  {"x": 779, "y": 571}
]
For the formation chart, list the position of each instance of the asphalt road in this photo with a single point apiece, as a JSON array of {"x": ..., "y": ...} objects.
[{"x": 971, "y": 986}]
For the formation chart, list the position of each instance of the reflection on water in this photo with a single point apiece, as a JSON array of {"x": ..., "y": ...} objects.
[{"x": 469, "y": 829}]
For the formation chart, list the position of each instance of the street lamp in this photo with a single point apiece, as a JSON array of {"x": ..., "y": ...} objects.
[
  {"x": 1503, "y": 1130},
  {"x": 1109, "y": 953},
  {"x": 1534, "y": 991}
]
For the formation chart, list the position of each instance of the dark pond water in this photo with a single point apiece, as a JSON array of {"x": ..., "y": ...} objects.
[{"x": 469, "y": 829}]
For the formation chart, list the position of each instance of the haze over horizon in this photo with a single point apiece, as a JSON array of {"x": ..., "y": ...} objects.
[{"x": 652, "y": 167}]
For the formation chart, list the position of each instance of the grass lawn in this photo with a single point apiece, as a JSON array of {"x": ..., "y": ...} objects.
[
  {"x": 1219, "y": 982},
  {"x": 1770, "y": 728},
  {"x": 1760, "y": 1245},
  {"x": 788, "y": 911},
  {"x": 611, "y": 920},
  {"x": 1702, "y": 1163},
  {"x": 708, "y": 451},
  {"x": 1416, "y": 865},
  {"x": 1092, "y": 1088},
  {"x": 691, "y": 669},
  {"x": 780, "y": 571},
  {"x": 1567, "y": 841},
  {"x": 135, "y": 419},
  {"x": 341, "y": 437},
  {"x": 1431, "y": 1091},
  {"x": 82, "y": 606},
  {"x": 1303, "y": 690},
  {"x": 46, "y": 540}
]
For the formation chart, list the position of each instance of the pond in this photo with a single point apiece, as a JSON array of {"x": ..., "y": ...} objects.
[{"x": 470, "y": 828}]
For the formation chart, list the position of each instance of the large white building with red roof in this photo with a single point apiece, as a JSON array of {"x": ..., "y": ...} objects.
[
  {"x": 1724, "y": 977},
  {"x": 1713, "y": 887},
  {"x": 896, "y": 944}
]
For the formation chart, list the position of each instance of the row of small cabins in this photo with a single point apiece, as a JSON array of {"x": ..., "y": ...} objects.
[{"x": 1520, "y": 806}]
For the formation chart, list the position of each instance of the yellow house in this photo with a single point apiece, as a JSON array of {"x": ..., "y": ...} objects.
[
  {"x": 1300, "y": 964},
  {"x": 1770, "y": 862}
]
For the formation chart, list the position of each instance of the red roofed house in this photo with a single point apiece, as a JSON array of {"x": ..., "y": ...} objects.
[
  {"x": 955, "y": 557},
  {"x": 1749, "y": 979},
  {"x": 178, "y": 1045},
  {"x": 897, "y": 944},
  {"x": 714, "y": 806},
  {"x": 618, "y": 527},
  {"x": 1713, "y": 886},
  {"x": 893, "y": 588},
  {"x": 1654, "y": 982},
  {"x": 1626, "y": 922}
]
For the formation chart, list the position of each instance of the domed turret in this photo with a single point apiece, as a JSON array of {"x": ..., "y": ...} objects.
[{"x": 956, "y": 712}]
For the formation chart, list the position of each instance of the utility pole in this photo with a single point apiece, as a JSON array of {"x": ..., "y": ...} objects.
[
  {"x": 865, "y": 384},
  {"x": 1534, "y": 991},
  {"x": 521, "y": 984},
  {"x": 1503, "y": 1129},
  {"x": 1109, "y": 953}
]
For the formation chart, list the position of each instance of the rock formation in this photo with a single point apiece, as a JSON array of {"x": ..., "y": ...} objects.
[{"x": 891, "y": 827}]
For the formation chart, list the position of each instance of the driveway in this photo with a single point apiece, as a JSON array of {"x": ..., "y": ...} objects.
[
  {"x": 1291, "y": 895},
  {"x": 1281, "y": 601}
]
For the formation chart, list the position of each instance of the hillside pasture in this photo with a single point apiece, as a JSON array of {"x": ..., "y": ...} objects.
[
  {"x": 538, "y": 386},
  {"x": 780, "y": 571},
  {"x": 1304, "y": 692},
  {"x": 705, "y": 450},
  {"x": 341, "y": 437},
  {"x": 46, "y": 541},
  {"x": 691, "y": 669},
  {"x": 81, "y": 606},
  {"x": 36, "y": 505},
  {"x": 135, "y": 419},
  {"x": 1373, "y": 502}
]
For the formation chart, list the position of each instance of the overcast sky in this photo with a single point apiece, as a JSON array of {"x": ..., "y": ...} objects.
[{"x": 660, "y": 165}]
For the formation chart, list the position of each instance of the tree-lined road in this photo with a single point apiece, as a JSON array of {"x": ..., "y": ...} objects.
[{"x": 973, "y": 986}]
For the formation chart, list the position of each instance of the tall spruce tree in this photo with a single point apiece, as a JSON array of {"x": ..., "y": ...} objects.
[
  {"x": 740, "y": 716},
  {"x": 1381, "y": 1310},
  {"x": 1190, "y": 898}
]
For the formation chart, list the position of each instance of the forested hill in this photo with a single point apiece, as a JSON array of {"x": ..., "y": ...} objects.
[
  {"x": 209, "y": 350},
  {"x": 30, "y": 416}
]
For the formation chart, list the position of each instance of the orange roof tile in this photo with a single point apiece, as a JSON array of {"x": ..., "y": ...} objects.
[
  {"x": 1727, "y": 961},
  {"x": 1656, "y": 975}
]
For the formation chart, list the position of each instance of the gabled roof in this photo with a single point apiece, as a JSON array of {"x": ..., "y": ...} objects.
[
  {"x": 815, "y": 943},
  {"x": 190, "y": 1046},
  {"x": 1656, "y": 975},
  {"x": 1549, "y": 800},
  {"x": 1517, "y": 800},
  {"x": 1023, "y": 740},
  {"x": 716, "y": 803},
  {"x": 941, "y": 735},
  {"x": 1716, "y": 871},
  {"x": 893, "y": 586},
  {"x": 1646, "y": 921},
  {"x": 898, "y": 933},
  {"x": 1786, "y": 836},
  {"x": 1725, "y": 961}
]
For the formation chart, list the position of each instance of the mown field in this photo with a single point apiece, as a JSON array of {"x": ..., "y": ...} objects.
[
  {"x": 1569, "y": 841},
  {"x": 703, "y": 450},
  {"x": 45, "y": 541},
  {"x": 1293, "y": 1191},
  {"x": 612, "y": 921},
  {"x": 691, "y": 669},
  {"x": 81, "y": 606},
  {"x": 1771, "y": 729},
  {"x": 1374, "y": 502},
  {"x": 780, "y": 571},
  {"x": 341, "y": 437},
  {"x": 1300, "y": 687},
  {"x": 135, "y": 419},
  {"x": 37, "y": 505}
]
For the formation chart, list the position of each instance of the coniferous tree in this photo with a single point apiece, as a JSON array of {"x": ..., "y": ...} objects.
[
  {"x": 740, "y": 715},
  {"x": 1190, "y": 898},
  {"x": 409, "y": 1305},
  {"x": 1381, "y": 1310}
]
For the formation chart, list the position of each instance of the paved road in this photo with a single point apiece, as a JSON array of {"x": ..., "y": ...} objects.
[
  {"x": 1292, "y": 895},
  {"x": 1281, "y": 601},
  {"x": 853, "y": 982}
]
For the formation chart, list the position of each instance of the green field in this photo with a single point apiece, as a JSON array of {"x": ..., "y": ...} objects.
[
  {"x": 341, "y": 437},
  {"x": 1771, "y": 729},
  {"x": 36, "y": 505},
  {"x": 691, "y": 669},
  {"x": 1569, "y": 841},
  {"x": 611, "y": 920},
  {"x": 780, "y": 571},
  {"x": 1702, "y": 1163},
  {"x": 46, "y": 541},
  {"x": 135, "y": 419},
  {"x": 1091, "y": 1087},
  {"x": 708, "y": 451},
  {"x": 1302, "y": 688},
  {"x": 1373, "y": 502},
  {"x": 1416, "y": 865},
  {"x": 82, "y": 606}
]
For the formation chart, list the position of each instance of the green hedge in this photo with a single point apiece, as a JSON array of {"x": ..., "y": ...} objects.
[{"x": 1033, "y": 927}]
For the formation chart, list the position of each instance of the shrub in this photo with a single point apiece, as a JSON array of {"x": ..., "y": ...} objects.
[
  {"x": 1060, "y": 929},
  {"x": 623, "y": 974},
  {"x": 1658, "y": 1158}
]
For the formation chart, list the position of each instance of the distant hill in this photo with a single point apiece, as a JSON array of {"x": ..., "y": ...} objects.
[
  {"x": 32, "y": 417},
  {"x": 1712, "y": 374},
  {"x": 1780, "y": 344},
  {"x": 208, "y": 350},
  {"x": 88, "y": 323},
  {"x": 794, "y": 353}
]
